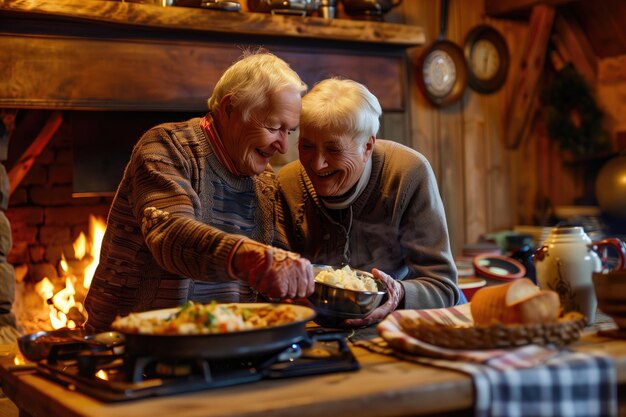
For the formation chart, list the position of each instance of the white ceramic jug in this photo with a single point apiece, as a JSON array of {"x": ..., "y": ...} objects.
[{"x": 565, "y": 264}]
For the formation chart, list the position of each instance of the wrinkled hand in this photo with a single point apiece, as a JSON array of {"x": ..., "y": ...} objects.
[
  {"x": 395, "y": 293},
  {"x": 273, "y": 272}
]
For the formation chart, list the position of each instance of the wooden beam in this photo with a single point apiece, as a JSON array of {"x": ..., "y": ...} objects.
[
  {"x": 569, "y": 36},
  {"x": 499, "y": 8},
  {"x": 519, "y": 111},
  {"x": 26, "y": 161},
  {"x": 7, "y": 120}
]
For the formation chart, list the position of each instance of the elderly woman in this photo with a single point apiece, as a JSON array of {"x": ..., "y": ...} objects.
[
  {"x": 369, "y": 203},
  {"x": 194, "y": 213}
]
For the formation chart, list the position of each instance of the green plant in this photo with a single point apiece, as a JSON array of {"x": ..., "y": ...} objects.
[{"x": 573, "y": 118}]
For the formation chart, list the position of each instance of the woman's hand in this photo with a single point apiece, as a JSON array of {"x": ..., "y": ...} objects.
[
  {"x": 395, "y": 293},
  {"x": 274, "y": 272}
]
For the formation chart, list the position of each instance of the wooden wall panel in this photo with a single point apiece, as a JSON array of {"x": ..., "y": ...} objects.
[
  {"x": 454, "y": 138},
  {"x": 437, "y": 133},
  {"x": 485, "y": 186},
  {"x": 465, "y": 142},
  {"x": 611, "y": 90}
]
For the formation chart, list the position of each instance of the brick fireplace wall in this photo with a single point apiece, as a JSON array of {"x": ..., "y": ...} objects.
[{"x": 45, "y": 218}]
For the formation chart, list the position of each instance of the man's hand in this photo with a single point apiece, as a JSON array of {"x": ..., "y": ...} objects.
[
  {"x": 395, "y": 293},
  {"x": 273, "y": 272}
]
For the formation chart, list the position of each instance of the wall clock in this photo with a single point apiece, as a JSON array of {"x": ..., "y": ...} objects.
[
  {"x": 442, "y": 70},
  {"x": 487, "y": 58},
  {"x": 443, "y": 73}
]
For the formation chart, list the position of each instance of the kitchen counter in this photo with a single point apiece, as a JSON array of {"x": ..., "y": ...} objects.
[{"x": 384, "y": 386}]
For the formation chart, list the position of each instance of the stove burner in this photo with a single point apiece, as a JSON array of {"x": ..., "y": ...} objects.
[
  {"x": 173, "y": 368},
  {"x": 110, "y": 376}
]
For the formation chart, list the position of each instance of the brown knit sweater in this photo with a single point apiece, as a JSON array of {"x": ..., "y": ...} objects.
[
  {"x": 397, "y": 225},
  {"x": 179, "y": 248}
]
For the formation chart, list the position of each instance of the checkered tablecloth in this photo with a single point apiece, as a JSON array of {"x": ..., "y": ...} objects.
[{"x": 527, "y": 381}]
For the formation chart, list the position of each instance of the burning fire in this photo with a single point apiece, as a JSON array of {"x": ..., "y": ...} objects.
[{"x": 65, "y": 305}]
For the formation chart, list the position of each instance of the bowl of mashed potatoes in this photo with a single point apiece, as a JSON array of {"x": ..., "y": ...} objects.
[{"x": 344, "y": 293}]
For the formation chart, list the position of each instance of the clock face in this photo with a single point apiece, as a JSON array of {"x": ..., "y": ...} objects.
[
  {"x": 487, "y": 56},
  {"x": 439, "y": 73},
  {"x": 484, "y": 59}
]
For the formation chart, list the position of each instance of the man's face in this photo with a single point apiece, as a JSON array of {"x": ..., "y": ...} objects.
[
  {"x": 251, "y": 144},
  {"x": 333, "y": 161}
]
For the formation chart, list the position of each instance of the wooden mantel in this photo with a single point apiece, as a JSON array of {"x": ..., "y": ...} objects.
[{"x": 93, "y": 54}]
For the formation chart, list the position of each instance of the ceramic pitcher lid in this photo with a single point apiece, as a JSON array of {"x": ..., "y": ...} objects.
[{"x": 568, "y": 230}]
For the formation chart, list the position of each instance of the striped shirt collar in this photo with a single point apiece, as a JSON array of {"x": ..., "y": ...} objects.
[{"x": 208, "y": 125}]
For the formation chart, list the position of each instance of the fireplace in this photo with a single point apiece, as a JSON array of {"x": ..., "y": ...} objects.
[
  {"x": 58, "y": 211},
  {"x": 98, "y": 73},
  {"x": 48, "y": 224}
]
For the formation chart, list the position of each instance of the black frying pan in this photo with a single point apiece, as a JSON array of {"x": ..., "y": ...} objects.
[
  {"x": 219, "y": 345},
  {"x": 442, "y": 69}
]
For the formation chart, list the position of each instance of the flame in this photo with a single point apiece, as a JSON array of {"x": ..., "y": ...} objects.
[
  {"x": 64, "y": 299},
  {"x": 102, "y": 374},
  {"x": 61, "y": 303},
  {"x": 45, "y": 288},
  {"x": 97, "y": 228},
  {"x": 80, "y": 244}
]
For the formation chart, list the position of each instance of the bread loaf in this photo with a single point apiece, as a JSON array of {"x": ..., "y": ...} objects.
[{"x": 517, "y": 302}]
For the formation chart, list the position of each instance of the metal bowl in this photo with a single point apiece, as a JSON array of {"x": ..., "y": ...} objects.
[{"x": 334, "y": 304}]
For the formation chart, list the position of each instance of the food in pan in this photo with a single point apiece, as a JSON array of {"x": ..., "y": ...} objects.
[
  {"x": 346, "y": 278},
  {"x": 192, "y": 319},
  {"x": 518, "y": 302}
]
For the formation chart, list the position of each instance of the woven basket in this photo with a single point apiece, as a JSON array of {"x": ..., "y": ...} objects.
[{"x": 566, "y": 330}]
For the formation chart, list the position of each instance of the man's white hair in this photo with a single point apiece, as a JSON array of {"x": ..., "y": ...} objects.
[{"x": 252, "y": 80}]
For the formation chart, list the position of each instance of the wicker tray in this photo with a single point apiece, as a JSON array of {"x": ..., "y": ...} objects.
[{"x": 566, "y": 330}]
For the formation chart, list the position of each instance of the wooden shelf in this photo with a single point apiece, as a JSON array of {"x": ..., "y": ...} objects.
[{"x": 210, "y": 21}]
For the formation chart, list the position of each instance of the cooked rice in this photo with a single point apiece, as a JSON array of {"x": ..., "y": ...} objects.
[{"x": 347, "y": 278}]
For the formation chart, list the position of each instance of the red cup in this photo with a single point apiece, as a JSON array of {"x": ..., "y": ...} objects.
[{"x": 469, "y": 286}]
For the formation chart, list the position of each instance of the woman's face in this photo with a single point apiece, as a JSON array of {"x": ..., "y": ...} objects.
[
  {"x": 333, "y": 161},
  {"x": 252, "y": 143}
]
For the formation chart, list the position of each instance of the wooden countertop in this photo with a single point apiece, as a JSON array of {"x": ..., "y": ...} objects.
[{"x": 383, "y": 387}]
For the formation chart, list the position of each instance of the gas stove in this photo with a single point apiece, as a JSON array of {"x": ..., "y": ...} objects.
[{"x": 110, "y": 375}]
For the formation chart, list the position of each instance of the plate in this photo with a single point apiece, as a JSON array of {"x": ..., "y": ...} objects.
[{"x": 499, "y": 268}]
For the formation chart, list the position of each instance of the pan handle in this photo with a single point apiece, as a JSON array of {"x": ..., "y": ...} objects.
[
  {"x": 328, "y": 337},
  {"x": 443, "y": 19}
]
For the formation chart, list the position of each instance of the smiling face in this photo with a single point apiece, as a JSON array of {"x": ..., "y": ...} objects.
[
  {"x": 333, "y": 161},
  {"x": 250, "y": 144}
]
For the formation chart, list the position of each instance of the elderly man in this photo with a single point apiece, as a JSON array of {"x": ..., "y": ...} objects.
[
  {"x": 368, "y": 203},
  {"x": 194, "y": 213}
]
